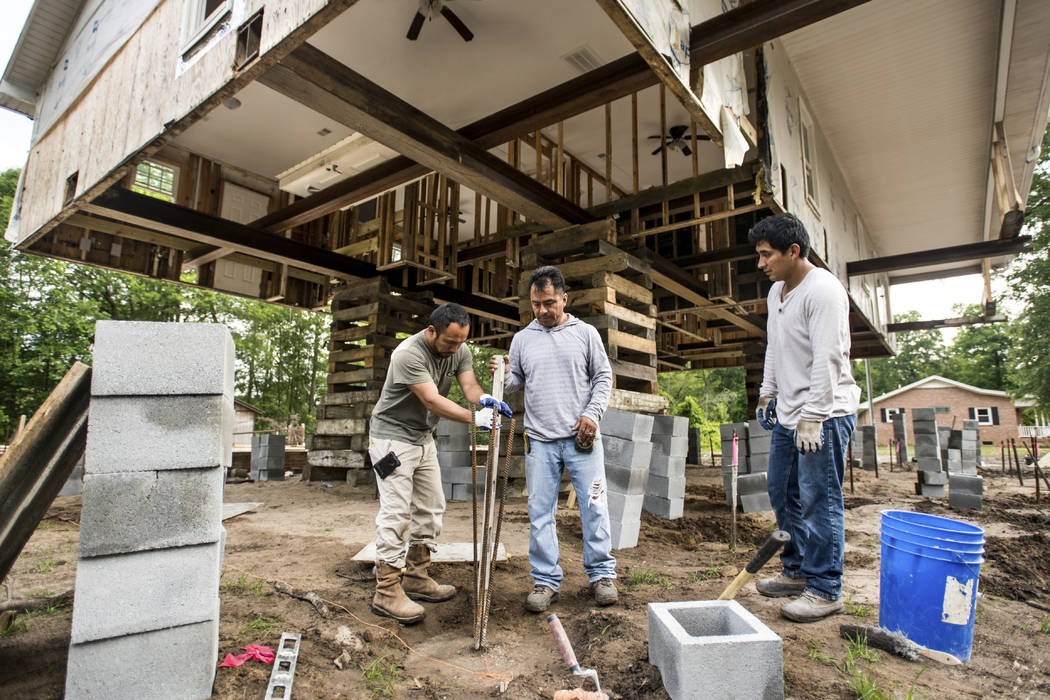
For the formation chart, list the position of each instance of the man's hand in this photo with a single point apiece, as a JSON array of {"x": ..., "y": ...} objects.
[
  {"x": 483, "y": 419},
  {"x": 808, "y": 437},
  {"x": 585, "y": 429},
  {"x": 494, "y": 363},
  {"x": 490, "y": 401},
  {"x": 767, "y": 412}
]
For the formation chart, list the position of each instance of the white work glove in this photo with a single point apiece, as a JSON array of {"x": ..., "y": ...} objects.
[
  {"x": 483, "y": 419},
  {"x": 808, "y": 436},
  {"x": 766, "y": 413}
]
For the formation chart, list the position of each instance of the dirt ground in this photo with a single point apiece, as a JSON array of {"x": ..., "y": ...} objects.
[{"x": 305, "y": 534}]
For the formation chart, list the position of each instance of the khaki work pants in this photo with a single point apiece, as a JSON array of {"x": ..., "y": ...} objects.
[{"x": 411, "y": 501}]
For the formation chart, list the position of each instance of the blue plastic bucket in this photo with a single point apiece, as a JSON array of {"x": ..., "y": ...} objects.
[{"x": 927, "y": 584}]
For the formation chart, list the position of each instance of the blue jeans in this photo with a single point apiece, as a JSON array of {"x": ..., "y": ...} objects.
[
  {"x": 543, "y": 466},
  {"x": 806, "y": 493}
]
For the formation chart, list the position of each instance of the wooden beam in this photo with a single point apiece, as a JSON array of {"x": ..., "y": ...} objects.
[
  {"x": 667, "y": 276},
  {"x": 707, "y": 218},
  {"x": 937, "y": 256},
  {"x": 943, "y": 323},
  {"x": 718, "y": 179},
  {"x": 730, "y": 32},
  {"x": 149, "y": 212},
  {"x": 318, "y": 81},
  {"x": 974, "y": 269}
]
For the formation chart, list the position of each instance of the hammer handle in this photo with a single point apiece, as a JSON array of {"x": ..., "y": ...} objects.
[
  {"x": 770, "y": 547},
  {"x": 562, "y": 640}
]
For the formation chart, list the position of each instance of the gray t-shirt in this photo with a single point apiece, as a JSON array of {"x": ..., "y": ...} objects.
[{"x": 398, "y": 414}]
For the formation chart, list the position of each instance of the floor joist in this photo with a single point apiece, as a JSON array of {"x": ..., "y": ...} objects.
[{"x": 922, "y": 258}]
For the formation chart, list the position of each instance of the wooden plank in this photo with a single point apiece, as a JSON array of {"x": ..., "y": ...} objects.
[
  {"x": 636, "y": 402},
  {"x": 570, "y": 239},
  {"x": 689, "y": 292},
  {"x": 355, "y": 376},
  {"x": 583, "y": 269},
  {"x": 627, "y": 315},
  {"x": 619, "y": 339},
  {"x": 959, "y": 253},
  {"x": 623, "y": 287},
  {"x": 362, "y": 247},
  {"x": 356, "y": 313},
  {"x": 632, "y": 370},
  {"x": 707, "y": 218},
  {"x": 315, "y": 79}
]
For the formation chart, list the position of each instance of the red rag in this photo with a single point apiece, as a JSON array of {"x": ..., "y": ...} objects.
[
  {"x": 260, "y": 653},
  {"x": 232, "y": 661}
]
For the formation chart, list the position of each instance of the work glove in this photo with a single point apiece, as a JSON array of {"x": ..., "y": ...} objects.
[
  {"x": 483, "y": 419},
  {"x": 808, "y": 436},
  {"x": 490, "y": 401},
  {"x": 767, "y": 412}
]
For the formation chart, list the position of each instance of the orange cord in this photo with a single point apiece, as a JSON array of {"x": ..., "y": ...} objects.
[{"x": 484, "y": 675}]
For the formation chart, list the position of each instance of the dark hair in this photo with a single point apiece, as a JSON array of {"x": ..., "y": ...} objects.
[
  {"x": 780, "y": 232},
  {"x": 547, "y": 275},
  {"x": 446, "y": 314}
]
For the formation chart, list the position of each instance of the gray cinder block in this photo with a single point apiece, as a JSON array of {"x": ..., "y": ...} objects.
[
  {"x": 145, "y": 591},
  {"x": 338, "y": 459},
  {"x": 631, "y": 481},
  {"x": 963, "y": 483},
  {"x": 671, "y": 425},
  {"x": 177, "y": 662},
  {"x": 146, "y": 433},
  {"x": 924, "y": 414},
  {"x": 451, "y": 460},
  {"x": 964, "y": 500},
  {"x": 461, "y": 492},
  {"x": 133, "y": 511},
  {"x": 673, "y": 446},
  {"x": 446, "y": 488},
  {"x": 666, "y": 508},
  {"x": 714, "y": 649},
  {"x": 726, "y": 431},
  {"x": 453, "y": 443},
  {"x": 626, "y": 425},
  {"x": 666, "y": 486},
  {"x": 150, "y": 359},
  {"x": 624, "y": 506},
  {"x": 755, "y": 502},
  {"x": 463, "y": 475},
  {"x": 663, "y": 465},
  {"x": 932, "y": 478},
  {"x": 929, "y": 491},
  {"x": 627, "y": 453},
  {"x": 625, "y": 533}
]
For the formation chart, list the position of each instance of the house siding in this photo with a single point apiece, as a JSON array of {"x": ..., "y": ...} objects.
[{"x": 959, "y": 400}]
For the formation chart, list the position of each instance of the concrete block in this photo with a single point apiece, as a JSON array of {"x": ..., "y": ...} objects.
[
  {"x": 678, "y": 426},
  {"x": 666, "y": 508},
  {"x": 625, "y": 479},
  {"x": 664, "y": 465},
  {"x": 928, "y": 464},
  {"x": 147, "y": 433},
  {"x": 963, "y": 483},
  {"x": 755, "y": 502},
  {"x": 726, "y": 431},
  {"x": 145, "y": 591},
  {"x": 714, "y": 649},
  {"x": 924, "y": 428},
  {"x": 758, "y": 463},
  {"x": 177, "y": 662},
  {"x": 451, "y": 427},
  {"x": 626, "y": 425},
  {"x": 337, "y": 459},
  {"x": 962, "y": 501},
  {"x": 74, "y": 485},
  {"x": 134, "y": 511},
  {"x": 446, "y": 488},
  {"x": 461, "y": 492},
  {"x": 624, "y": 506},
  {"x": 671, "y": 445},
  {"x": 927, "y": 450},
  {"x": 666, "y": 486},
  {"x": 463, "y": 475},
  {"x": 268, "y": 475},
  {"x": 932, "y": 478},
  {"x": 452, "y": 443},
  {"x": 151, "y": 359},
  {"x": 929, "y": 491},
  {"x": 751, "y": 483},
  {"x": 626, "y": 453},
  {"x": 624, "y": 533},
  {"x": 451, "y": 460},
  {"x": 924, "y": 414}
]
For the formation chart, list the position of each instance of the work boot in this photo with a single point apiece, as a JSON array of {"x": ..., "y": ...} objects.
[
  {"x": 417, "y": 584},
  {"x": 810, "y": 607},
  {"x": 781, "y": 586},
  {"x": 390, "y": 599},
  {"x": 541, "y": 598},
  {"x": 604, "y": 591}
]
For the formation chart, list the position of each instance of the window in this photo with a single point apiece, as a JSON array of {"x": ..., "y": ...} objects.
[
  {"x": 156, "y": 180},
  {"x": 809, "y": 151},
  {"x": 202, "y": 16},
  {"x": 985, "y": 415},
  {"x": 889, "y": 413}
]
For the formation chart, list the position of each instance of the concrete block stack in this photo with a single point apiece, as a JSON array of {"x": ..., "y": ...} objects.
[
  {"x": 752, "y": 464},
  {"x": 696, "y": 450},
  {"x": 930, "y": 476},
  {"x": 900, "y": 438},
  {"x": 626, "y": 440},
  {"x": 965, "y": 491},
  {"x": 951, "y": 456},
  {"x": 864, "y": 446},
  {"x": 665, "y": 491},
  {"x": 75, "y": 483},
  {"x": 160, "y": 433},
  {"x": 971, "y": 447},
  {"x": 267, "y": 458}
]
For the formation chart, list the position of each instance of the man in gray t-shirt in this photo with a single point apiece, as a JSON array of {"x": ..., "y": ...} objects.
[{"x": 411, "y": 502}]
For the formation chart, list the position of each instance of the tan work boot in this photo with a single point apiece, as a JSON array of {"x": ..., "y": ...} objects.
[
  {"x": 417, "y": 583},
  {"x": 781, "y": 586},
  {"x": 810, "y": 607},
  {"x": 390, "y": 599}
]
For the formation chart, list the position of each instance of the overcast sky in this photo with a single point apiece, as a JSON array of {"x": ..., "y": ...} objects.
[{"x": 932, "y": 299}]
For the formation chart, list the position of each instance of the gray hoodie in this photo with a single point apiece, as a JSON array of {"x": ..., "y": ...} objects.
[{"x": 566, "y": 374}]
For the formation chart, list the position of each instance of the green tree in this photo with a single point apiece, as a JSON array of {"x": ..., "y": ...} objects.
[
  {"x": 980, "y": 354},
  {"x": 919, "y": 354}
]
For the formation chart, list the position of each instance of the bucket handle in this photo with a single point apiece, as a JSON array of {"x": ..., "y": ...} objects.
[{"x": 976, "y": 573}]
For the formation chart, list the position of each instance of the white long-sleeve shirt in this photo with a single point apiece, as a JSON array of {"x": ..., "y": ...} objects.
[{"x": 807, "y": 351}]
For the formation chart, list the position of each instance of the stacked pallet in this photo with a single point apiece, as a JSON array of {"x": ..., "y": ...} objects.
[
  {"x": 665, "y": 490},
  {"x": 930, "y": 477},
  {"x": 611, "y": 290},
  {"x": 753, "y": 444},
  {"x": 625, "y": 440},
  {"x": 366, "y": 319}
]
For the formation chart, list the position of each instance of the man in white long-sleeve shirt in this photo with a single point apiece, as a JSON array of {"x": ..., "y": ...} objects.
[
  {"x": 561, "y": 363},
  {"x": 809, "y": 400}
]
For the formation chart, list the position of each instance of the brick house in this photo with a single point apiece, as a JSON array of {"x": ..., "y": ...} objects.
[{"x": 997, "y": 415}]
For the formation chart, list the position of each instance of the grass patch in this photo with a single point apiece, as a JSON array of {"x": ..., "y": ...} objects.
[
  {"x": 245, "y": 585},
  {"x": 1044, "y": 626},
  {"x": 379, "y": 677},
  {"x": 856, "y": 609},
  {"x": 649, "y": 577},
  {"x": 816, "y": 654},
  {"x": 47, "y": 565},
  {"x": 260, "y": 627},
  {"x": 15, "y": 624}
]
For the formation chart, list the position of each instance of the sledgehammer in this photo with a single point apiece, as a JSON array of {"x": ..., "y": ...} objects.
[{"x": 771, "y": 546}]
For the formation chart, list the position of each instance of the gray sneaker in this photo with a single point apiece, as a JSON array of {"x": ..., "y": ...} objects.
[
  {"x": 781, "y": 586},
  {"x": 604, "y": 591},
  {"x": 810, "y": 607},
  {"x": 540, "y": 599}
]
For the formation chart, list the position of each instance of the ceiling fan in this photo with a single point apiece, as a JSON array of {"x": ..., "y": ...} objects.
[
  {"x": 678, "y": 140},
  {"x": 426, "y": 11}
]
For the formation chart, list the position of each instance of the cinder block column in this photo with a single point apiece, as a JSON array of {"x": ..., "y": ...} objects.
[
  {"x": 665, "y": 491},
  {"x": 627, "y": 444},
  {"x": 160, "y": 433}
]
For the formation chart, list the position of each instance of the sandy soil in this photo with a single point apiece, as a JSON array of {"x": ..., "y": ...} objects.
[{"x": 305, "y": 534}]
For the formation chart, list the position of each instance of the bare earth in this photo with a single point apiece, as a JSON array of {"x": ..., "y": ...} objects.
[{"x": 305, "y": 533}]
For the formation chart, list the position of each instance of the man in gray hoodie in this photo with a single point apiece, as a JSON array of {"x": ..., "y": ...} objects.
[{"x": 562, "y": 365}]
